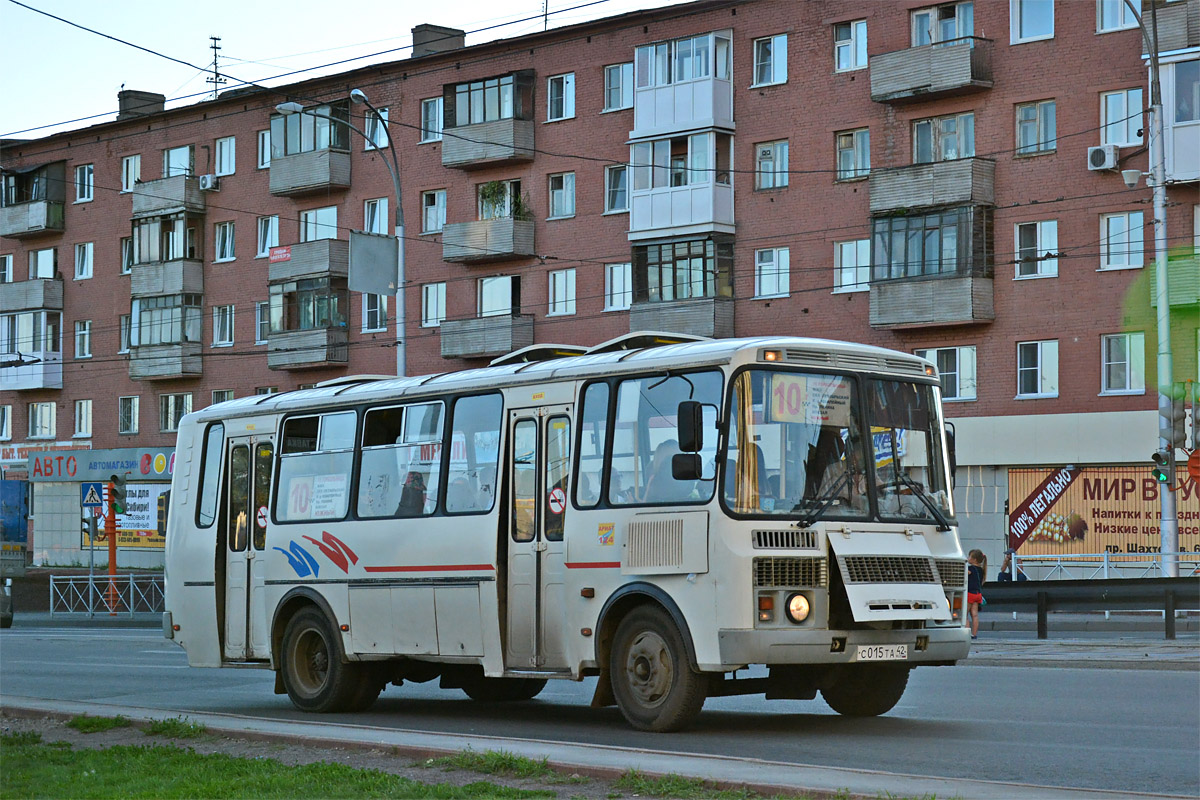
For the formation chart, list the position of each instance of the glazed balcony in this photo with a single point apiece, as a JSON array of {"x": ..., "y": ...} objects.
[
  {"x": 180, "y": 276},
  {"x": 932, "y": 71},
  {"x": 486, "y": 337},
  {"x": 681, "y": 210},
  {"x": 964, "y": 181},
  {"x": 40, "y": 370}
]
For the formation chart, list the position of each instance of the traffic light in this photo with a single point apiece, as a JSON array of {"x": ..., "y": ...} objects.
[
  {"x": 89, "y": 528},
  {"x": 116, "y": 493},
  {"x": 1164, "y": 467},
  {"x": 1171, "y": 419}
]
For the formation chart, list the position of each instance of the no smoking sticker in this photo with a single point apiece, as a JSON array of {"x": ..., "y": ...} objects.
[
  {"x": 558, "y": 501},
  {"x": 262, "y": 517}
]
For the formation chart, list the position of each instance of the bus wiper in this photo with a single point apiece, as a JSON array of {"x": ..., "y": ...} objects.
[
  {"x": 923, "y": 496},
  {"x": 823, "y": 502}
]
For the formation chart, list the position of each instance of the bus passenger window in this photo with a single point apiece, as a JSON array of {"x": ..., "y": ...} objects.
[
  {"x": 316, "y": 460},
  {"x": 474, "y": 454},
  {"x": 593, "y": 423},
  {"x": 401, "y": 461},
  {"x": 210, "y": 476}
]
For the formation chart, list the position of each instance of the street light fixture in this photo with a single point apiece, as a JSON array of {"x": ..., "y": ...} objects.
[{"x": 393, "y": 168}]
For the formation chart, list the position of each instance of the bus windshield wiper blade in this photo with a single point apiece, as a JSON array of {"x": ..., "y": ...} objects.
[
  {"x": 923, "y": 496},
  {"x": 824, "y": 501}
]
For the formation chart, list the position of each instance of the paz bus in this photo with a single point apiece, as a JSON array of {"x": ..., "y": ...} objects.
[{"x": 657, "y": 511}]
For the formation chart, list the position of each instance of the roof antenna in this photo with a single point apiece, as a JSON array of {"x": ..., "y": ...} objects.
[{"x": 217, "y": 79}]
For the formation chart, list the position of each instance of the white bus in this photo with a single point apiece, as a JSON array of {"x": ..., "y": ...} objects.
[{"x": 658, "y": 512}]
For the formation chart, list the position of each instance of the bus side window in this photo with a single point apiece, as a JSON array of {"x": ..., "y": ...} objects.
[
  {"x": 593, "y": 430},
  {"x": 210, "y": 476},
  {"x": 401, "y": 461},
  {"x": 474, "y": 454},
  {"x": 316, "y": 457}
]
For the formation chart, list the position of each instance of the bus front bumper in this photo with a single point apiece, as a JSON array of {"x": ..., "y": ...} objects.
[{"x": 784, "y": 646}]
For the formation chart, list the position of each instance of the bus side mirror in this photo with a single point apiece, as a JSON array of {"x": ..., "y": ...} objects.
[
  {"x": 685, "y": 466},
  {"x": 950, "y": 454},
  {"x": 690, "y": 421}
]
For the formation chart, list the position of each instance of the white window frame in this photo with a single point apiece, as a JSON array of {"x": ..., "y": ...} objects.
[
  {"x": 1133, "y": 254},
  {"x": 770, "y": 61},
  {"x": 431, "y": 109},
  {"x": 859, "y": 150},
  {"x": 433, "y": 304},
  {"x": 937, "y": 135},
  {"x": 1134, "y": 361},
  {"x": 84, "y": 252},
  {"x": 169, "y": 170},
  {"x": 618, "y": 287},
  {"x": 562, "y": 199},
  {"x": 1014, "y": 16},
  {"x": 6, "y": 268},
  {"x": 375, "y": 215},
  {"x": 561, "y": 293},
  {"x": 1044, "y": 256},
  {"x": 222, "y": 329},
  {"x": 262, "y": 321},
  {"x": 221, "y": 396},
  {"x": 927, "y": 23},
  {"x": 1125, "y": 17},
  {"x": 1045, "y": 365},
  {"x": 171, "y": 408},
  {"x": 1045, "y": 140},
  {"x": 483, "y": 285},
  {"x": 854, "y": 47},
  {"x": 376, "y": 128},
  {"x": 131, "y": 172},
  {"x": 771, "y": 165},
  {"x": 772, "y": 268},
  {"x": 124, "y": 333},
  {"x": 964, "y": 370},
  {"x": 374, "y": 310},
  {"x": 317, "y": 224},
  {"x": 223, "y": 242},
  {"x": 83, "y": 419},
  {"x": 1126, "y": 129},
  {"x": 264, "y": 150},
  {"x": 433, "y": 210},
  {"x": 268, "y": 235},
  {"x": 83, "y": 338},
  {"x": 565, "y": 97},
  {"x": 260, "y": 391},
  {"x": 85, "y": 183},
  {"x": 133, "y": 404},
  {"x": 618, "y": 80},
  {"x": 39, "y": 261},
  {"x": 126, "y": 255},
  {"x": 225, "y": 159},
  {"x": 42, "y": 420},
  {"x": 5, "y": 422},
  {"x": 610, "y": 176},
  {"x": 861, "y": 249}
]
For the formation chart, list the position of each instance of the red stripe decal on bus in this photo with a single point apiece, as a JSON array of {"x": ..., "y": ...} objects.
[
  {"x": 593, "y": 564},
  {"x": 432, "y": 568}
]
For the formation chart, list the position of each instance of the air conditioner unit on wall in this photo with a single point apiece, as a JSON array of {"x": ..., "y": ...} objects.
[
  {"x": 1103, "y": 157},
  {"x": 210, "y": 183}
]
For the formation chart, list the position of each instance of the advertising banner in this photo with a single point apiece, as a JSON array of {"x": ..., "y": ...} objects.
[
  {"x": 138, "y": 526},
  {"x": 1069, "y": 510}
]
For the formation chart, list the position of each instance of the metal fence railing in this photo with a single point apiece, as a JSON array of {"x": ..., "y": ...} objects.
[
  {"x": 106, "y": 594},
  {"x": 1095, "y": 566}
]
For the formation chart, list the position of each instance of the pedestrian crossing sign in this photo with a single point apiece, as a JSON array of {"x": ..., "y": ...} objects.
[{"x": 91, "y": 495}]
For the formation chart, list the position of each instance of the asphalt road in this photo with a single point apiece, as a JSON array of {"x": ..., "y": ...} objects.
[{"x": 1114, "y": 729}]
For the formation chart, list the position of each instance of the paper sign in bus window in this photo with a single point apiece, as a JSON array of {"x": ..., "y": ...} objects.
[{"x": 812, "y": 400}]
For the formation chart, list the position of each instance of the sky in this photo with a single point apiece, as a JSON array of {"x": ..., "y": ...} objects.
[{"x": 67, "y": 74}]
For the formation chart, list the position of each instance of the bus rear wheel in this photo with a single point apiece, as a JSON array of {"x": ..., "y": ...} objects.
[
  {"x": 654, "y": 685},
  {"x": 503, "y": 690},
  {"x": 314, "y": 674},
  {"x": 866, "y": 691}
]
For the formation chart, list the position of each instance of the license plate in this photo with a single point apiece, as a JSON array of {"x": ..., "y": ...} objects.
[{"x": 881, "y": 652}]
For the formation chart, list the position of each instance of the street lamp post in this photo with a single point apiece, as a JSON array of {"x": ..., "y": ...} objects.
[{"x": 393, "y": 168}]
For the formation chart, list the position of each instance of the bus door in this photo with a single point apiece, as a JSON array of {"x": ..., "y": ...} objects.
[
  {"x": 539, "y": 462},
  {"x": 248, "y": 484}
]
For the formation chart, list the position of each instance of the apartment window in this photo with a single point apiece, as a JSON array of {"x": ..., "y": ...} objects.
[
  {"x": 127, "y": 414},
  {"x": 224, "y": 242},
  {"x": 1113, "y": 15},
  {"x": 169, "y": 319},
  {"x": 1121, "y": 117},
  {"x": 318, "y": 223},
  {"x": 1036, "y": 128},
  {"x": 616, "y": 189},
  {"x": 433, "y": 304},
  {"x": 262, "y": 322},
  {"x": 770, "y": 60},
  {"x": 562, "y": 292},
  {"x": 1121, "y": 245},
  {"x": 321, "y": 127},
  {"x": 264, "y": 149},
  {"x": 376, "y": 130},
  {"x": 131, "y": 172},
  {"x": 1037, "y": 249},
  {"x": 222, "y": 326},
  {"x": 124, "y": 332},
  {"x": 374, "y": 312},
  {"x": 956, "y": 367},
  {"x": 167, "y": 238},
  {"x": 1123, "y": 363},
  {"x": 771, "y": 272},
  {"x": 83, "y": 418},
  {"x": 221, "y": 395},
  {"x": 84, "y": 183},
  {"x": 771, "y": 165},
  {"x": 171, "y": 408},
  {"x": 561, "y": 91},
  {"x": 944, "y": 138},
  {"x": 1037, "y": 369},
  {"x": 35, "y": 332},
  {"x": 83, "y": 338},
  {"x": 375, "y": 216},
  {"x": 1031, "y": 20},
  {"x": 618, "y": 86},
  {"x": 431, "y": 120},
  {"x": 618, "y": 287},
  {"x": 43, "y": 263},
  {"x": 562, "y": 195},
  {"x": 1187, "y": 91},
  {"x": 686, "y": 59},
  {"x": 41, "y": 420},
  {"x": 683, "y": 270},
  {"x": 433, "y": 211},
  {"x": 309, "y": 304},
  {"x": 126, "y": 255},
  {"x": 850, "y": 45},
  {"x": 853, "y": 154},
  {"x": 852, "y": 266},
  {"x": 264, "y": 390},
  {"x": 499, "y": 296},
  {"x": 943, "y": 23},
  {"x": 83, "y": 260},
  {"x": 6, "y": 268},
  {"x": 682, "y": 161},
  {"x": 5, "y": 423},
  {"x": 953, "y": 242},
  {"x": 178, "y": 161},
  {"x": 268, "y": 236},
  {"x": 226, "y": 162}
]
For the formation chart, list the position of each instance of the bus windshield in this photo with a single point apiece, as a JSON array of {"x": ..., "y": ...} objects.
[{"x": 799, "y": 442}]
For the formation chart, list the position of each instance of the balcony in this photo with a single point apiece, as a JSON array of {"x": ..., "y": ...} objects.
[
  {"x": 42, "y": 293},
  {"x": 486, "y": 337},
  {"x": 1183, "y": 282},
  {"x": 485, "y": 240},
  {"x": 965, "y": 181},
  {"x": 932, "y": 71},
  {"x": 317, "y": 259},
  {"x": 158, "y": 362},
  {"x": 35, "y": 218},
  {"x": 321, "y": 347},
  {"x": 311, "y": 172},
  {"x": 681, "y": 210},
  {"x": 701, "y": 316},
  {"x": 684, "y": 105},
  {"x": 488, "y": 144},
  {"x": 178, "y": 193},
  {"x": 933, "y": 301},
  {"x": 181, "y": 276},
  {"x": 42, "y": 370}
]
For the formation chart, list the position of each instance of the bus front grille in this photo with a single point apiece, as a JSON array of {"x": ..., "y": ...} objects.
[
  {"x": 785, "y": 540},
  {"x": 952, "y": 571},
  {"x": 887, "y": 569},
  {"x": 790, "y": 572}
]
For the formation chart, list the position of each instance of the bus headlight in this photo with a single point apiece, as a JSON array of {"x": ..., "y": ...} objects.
[{"x": 797, "y": 608}]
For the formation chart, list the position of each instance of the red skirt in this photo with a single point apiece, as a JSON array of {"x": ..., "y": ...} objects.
[{"x": 975, "y": 597}]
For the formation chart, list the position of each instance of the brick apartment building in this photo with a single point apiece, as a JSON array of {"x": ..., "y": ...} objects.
[{"x": 941, "y": 179}]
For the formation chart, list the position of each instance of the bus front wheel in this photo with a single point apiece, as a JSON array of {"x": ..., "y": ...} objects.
[
  {"x": 314, "y": 674},
  {"x": 654, "y": 685},
  {"x": 866, "y": 691}
]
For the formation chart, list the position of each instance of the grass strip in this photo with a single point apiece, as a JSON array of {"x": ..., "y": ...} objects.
[
  {"x": 502, "y": 762},
  {"x": 175, "y": 728},
  {"x": 86, "y": 724}
]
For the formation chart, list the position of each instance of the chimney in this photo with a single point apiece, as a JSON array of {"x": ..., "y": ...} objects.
[
  {"x": 132, "y": 103},
  {"x": 430, "y": 39}
]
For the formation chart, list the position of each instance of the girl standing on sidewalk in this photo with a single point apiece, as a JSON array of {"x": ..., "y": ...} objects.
[{"x": 976, "y": 575}]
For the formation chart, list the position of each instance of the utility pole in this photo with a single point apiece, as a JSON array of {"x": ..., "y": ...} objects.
[{"x": 216, "y": 79}]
